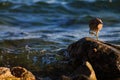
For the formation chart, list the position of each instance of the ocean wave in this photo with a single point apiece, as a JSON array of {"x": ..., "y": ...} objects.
[
  {"x": 77, "y": 5},
  {"x": 43, "y": 14}
]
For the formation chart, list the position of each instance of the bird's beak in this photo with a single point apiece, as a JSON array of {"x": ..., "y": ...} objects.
[{"x": 101, "y": 22}]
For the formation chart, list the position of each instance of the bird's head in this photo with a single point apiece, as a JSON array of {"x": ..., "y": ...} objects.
[
  {"x": 99, "y": 21},
  {"x": 95, "y": 21}
]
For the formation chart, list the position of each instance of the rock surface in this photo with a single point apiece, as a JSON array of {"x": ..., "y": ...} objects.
[
  {"x": 82, "y": 72},
  {"x": 22, "y": 73},
  {"x": 5, "y": 72},
  {"x": 104, "y": 57},
  {"x": 15, "y": 73}
]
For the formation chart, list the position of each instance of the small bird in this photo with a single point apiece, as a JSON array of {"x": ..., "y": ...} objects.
[{"x": 95, "y": 26}]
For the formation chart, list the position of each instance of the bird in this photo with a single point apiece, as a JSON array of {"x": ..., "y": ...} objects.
[{"x": 95, "y": 25}]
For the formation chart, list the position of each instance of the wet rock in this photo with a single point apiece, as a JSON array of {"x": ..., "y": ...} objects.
[{"x": 104, "y": 57}]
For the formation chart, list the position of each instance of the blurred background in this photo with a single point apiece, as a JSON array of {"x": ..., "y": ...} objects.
[{"x": 33, "y": 31}]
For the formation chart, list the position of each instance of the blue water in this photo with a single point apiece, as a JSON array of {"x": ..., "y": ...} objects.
[
  {"x": 46, "y": 26},
  {"x": 57, "y": 19}
]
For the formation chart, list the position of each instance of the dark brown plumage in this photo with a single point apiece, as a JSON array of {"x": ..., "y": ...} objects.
[{"x": 95, "y": 26}]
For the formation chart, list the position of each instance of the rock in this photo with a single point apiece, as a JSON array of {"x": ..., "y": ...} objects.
[
  {"x": 84, "y": 72},
  {"x": 104, "y": 57},
  {"x": 66, "y": 77},
  {"x": 5, "y": 74},
  {"x": 16, "y": 73},
  {"x": 92, "y": 75},
  {"x": 22, "y": 73}
]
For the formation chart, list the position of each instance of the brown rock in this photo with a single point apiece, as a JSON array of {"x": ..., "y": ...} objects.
[
  {"x": 18, "y": 73},
  {"x": 5, "y": 72},
  {"x": 84, "y": 72},
  {"x": 92, "y": 76},
  {"x": 22, "y": 73},
  {"x": 66, "y": 77},
  {"x": 104, "y": 57}
]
